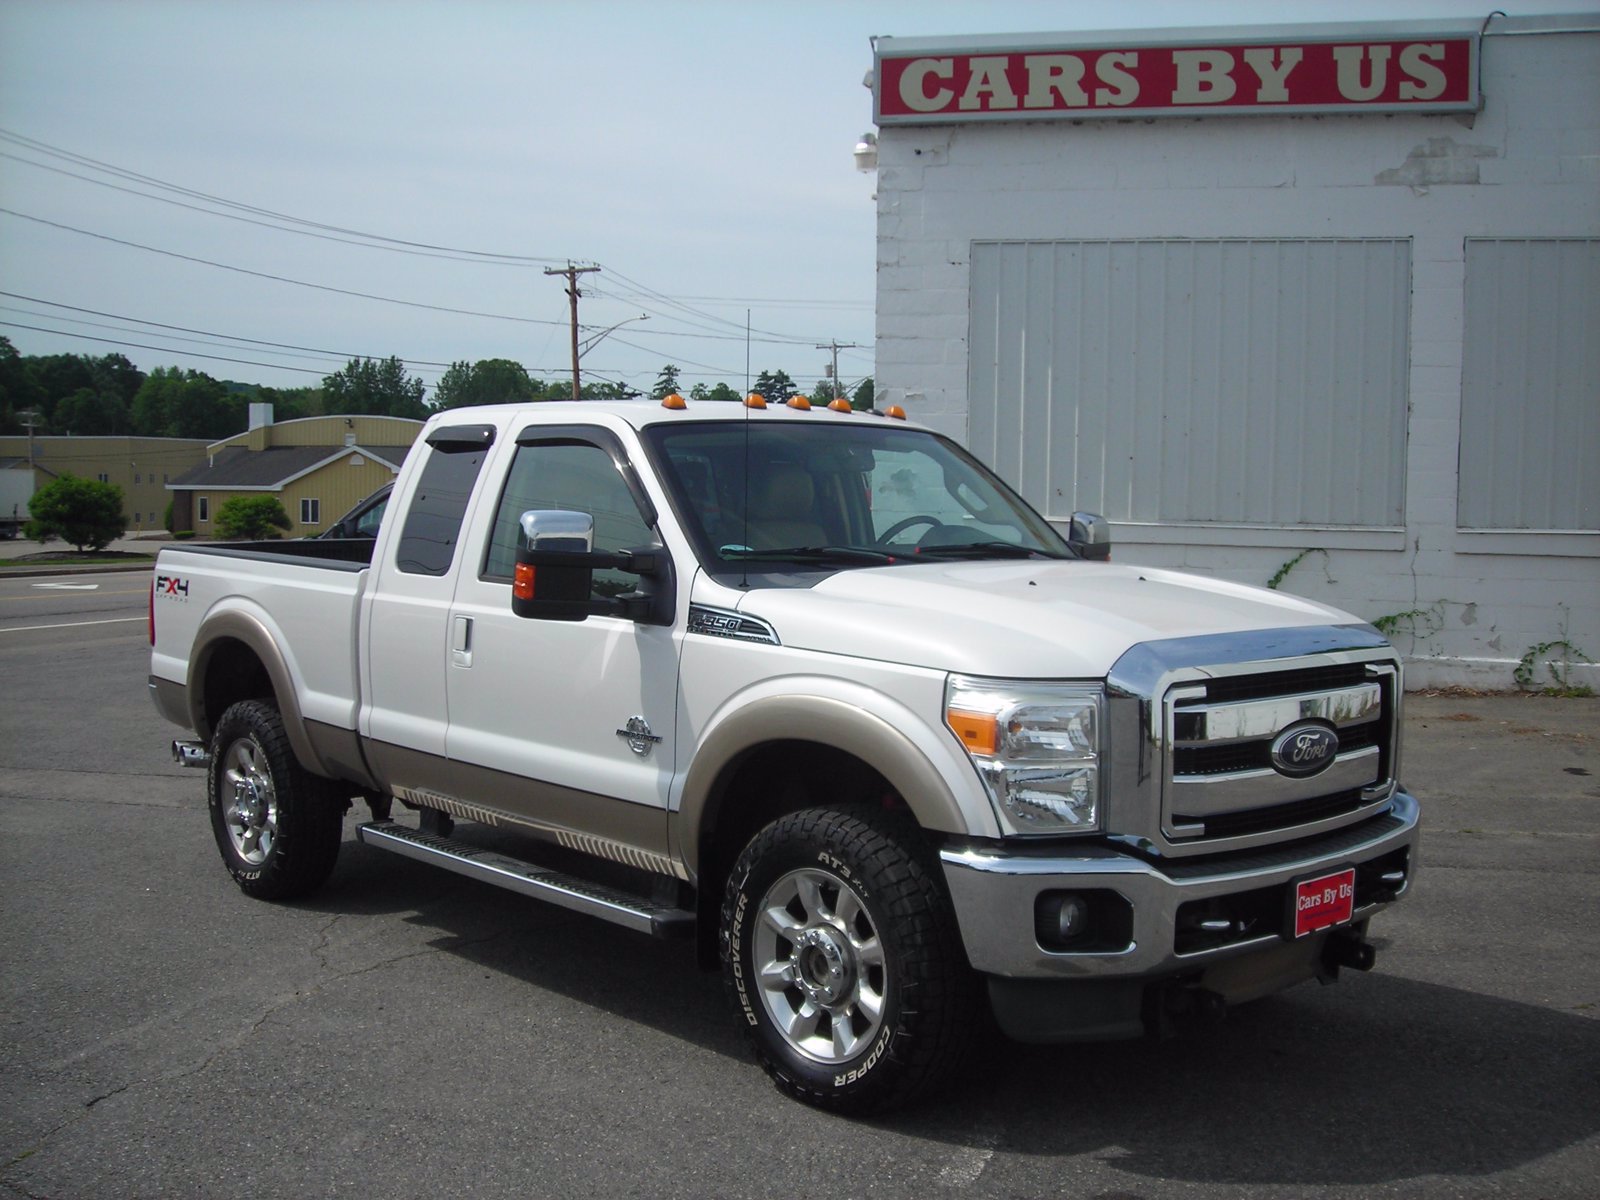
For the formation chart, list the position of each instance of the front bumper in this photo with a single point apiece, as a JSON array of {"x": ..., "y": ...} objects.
[{"x": 1188, "y": 915}]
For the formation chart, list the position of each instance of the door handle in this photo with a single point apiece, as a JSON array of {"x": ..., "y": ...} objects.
[{"x": 461, "y": 641}]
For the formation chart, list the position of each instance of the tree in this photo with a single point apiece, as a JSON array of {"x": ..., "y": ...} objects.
[
  {"x": 89, "y": 413},
  {"x": 173, "y": 402},
  {"x": 776, "y": 386},
  {"x": 722, "y": 391},
  {"x": 375, "y": 387},
  {"x": 487, "y": 381},
  {"x": 666, "y": 383},
  {"x": 84, "y": 512},
  {"x": 251, "y": 518},
  {"x": 864, "y": 395}
]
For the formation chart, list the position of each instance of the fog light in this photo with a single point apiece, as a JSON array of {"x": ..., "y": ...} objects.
[
  {"x": 1082, "y": 922},
  {"x": 1059, "y": 919}
]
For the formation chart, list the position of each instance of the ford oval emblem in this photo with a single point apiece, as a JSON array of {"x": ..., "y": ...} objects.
[{"x": 1302, "y": 750}]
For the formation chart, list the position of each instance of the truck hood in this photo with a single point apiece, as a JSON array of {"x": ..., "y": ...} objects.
[{"x": 1020, "y": 619}]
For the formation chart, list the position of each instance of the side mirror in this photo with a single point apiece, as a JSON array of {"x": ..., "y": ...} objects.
[
  {"x": 1090, "y": 536},
  {"x": 554, "y": 574}
]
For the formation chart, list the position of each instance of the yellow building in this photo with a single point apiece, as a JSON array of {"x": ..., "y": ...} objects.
[
  {"x": 141, "y": 466},
  {"x": 317, "y": 467}
]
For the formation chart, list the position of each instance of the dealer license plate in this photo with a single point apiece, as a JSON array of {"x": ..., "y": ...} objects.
[{"x": 1324, "y": 902}]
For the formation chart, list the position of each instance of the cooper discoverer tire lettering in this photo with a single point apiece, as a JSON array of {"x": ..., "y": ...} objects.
[
  {"x": 842, "y": 960},
  {"x": 278, "y": 826}
]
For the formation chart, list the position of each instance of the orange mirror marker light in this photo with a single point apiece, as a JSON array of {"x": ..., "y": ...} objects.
[
  {"x": 799, "y": 402},
  {"x": 522, "y": 582},
  {"x": 674, "y": 402},
  {"x": 840, "y": 404},
  {"x": 979, "y": 732},
  {"x": 755, "y": 400}
]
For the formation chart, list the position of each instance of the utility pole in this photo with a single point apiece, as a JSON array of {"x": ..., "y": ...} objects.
[
  {"x": 833, "y": 369},
  {"x": 571, "y": 272},
  {"x": 30, "y": 421}
]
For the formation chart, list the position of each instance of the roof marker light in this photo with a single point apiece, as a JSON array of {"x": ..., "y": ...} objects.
[
  {"x": 674, "y": 402},
  {"x": 840, "y": 404},
  {"x": 755, "y": 400},
  {"x": 799, "y": 402},
  {"x": 895, "y": 411}
]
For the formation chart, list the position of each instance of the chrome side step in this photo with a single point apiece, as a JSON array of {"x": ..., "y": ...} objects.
[{"x": 529, "y": 879}]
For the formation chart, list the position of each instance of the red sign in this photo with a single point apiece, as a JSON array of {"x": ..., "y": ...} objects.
[
  {"x": 1324, "y": 902},
  {"x": 1428, "y": 74}
]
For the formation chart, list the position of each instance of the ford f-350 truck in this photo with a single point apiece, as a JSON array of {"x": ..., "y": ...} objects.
[{"x": 814, "y": 688}]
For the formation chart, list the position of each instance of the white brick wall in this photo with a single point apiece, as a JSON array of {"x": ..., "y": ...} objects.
[{"x": 1527, "y": 166}]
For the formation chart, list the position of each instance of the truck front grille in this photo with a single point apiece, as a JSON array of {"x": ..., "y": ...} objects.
[{"x": 1222, "y": 781}]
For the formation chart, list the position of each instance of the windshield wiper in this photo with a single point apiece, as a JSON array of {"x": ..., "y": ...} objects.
[
  {"x": 984, "y": 550},
  {"x": 809, "y": 554}
]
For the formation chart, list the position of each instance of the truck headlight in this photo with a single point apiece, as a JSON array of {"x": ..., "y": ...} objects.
[{"x": 1036, "y": 747}]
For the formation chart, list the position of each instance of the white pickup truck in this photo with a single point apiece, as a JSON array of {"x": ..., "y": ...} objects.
[{"x": 817, "y": 689}]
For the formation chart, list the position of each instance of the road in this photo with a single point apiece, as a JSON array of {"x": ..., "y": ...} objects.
[{"x": 411, "y": 1034}]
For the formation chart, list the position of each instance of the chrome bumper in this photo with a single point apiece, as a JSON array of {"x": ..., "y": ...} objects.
[{"x": 995, "y": 889}]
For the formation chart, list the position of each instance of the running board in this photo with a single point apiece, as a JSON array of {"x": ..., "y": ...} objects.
[{"x": 529, "y": 879}]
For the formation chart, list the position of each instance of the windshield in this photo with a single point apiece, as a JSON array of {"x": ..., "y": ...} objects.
[{"x": 830, "y": 496}]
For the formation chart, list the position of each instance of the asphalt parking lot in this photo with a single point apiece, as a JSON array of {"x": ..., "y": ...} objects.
[{"x": 409, "y": 1033}]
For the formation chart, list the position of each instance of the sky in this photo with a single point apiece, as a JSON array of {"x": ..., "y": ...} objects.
[{"x": 264, "y": 190}]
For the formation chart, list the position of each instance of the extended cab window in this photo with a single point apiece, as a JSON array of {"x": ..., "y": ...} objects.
[
  {"x": 433, "y": 521},
  {"x": 579, "y": 477}
]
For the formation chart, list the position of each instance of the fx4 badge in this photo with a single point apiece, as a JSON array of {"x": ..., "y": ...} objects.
[
  {"x": 172, "y": 585},
  {"x": 638, "y": 736}
]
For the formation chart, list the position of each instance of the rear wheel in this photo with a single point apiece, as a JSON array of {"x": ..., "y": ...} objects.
[
  {"x": 843, "y": 960},
  {"x": 277, "y": 825}
]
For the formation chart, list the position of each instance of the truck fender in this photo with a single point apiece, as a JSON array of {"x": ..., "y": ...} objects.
[
  {"x": 828, "y": 721},
  {"x": 247, "y": 628}
]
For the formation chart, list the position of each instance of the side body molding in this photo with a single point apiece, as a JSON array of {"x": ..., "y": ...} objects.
[{"x": 825, "y": 721}]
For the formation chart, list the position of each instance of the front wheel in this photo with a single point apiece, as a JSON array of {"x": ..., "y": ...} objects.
[
  {"x": 277, "y": 825},
  {"x": 843, "y": 961}
]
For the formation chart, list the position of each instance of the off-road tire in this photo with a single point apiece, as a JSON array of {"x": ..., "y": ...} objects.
[
  {"x": 277, "y": 825},
  {"x": 843, "y": 961}
]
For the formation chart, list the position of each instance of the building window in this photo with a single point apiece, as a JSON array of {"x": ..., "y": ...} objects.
[
  {"x": 1529, "y": 378},
  {"x": 103, "y": 477},
  {"x": 311, "y": 512},
  {"x": 136, "y": 477},
  {"x": 1230, "y": 382},
  {"x": 202, "y": 510},
  {"x": 138, "y": 518}
]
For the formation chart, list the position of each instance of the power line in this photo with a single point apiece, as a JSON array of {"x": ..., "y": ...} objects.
[
  {"x": 161, "y": 349},
  {"x": 336, "y": 354},
  {"x": 39, "y": 147},
  {"x": 327, "y": 237},
  {"x": 321, "y": 287}
]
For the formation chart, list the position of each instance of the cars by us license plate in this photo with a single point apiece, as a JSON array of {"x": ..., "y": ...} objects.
[{"x": 1324, "y": 902}]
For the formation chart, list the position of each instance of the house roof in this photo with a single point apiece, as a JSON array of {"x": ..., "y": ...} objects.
[{"x": 240, "y": 470}]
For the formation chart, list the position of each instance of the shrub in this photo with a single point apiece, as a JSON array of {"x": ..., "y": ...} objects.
[
  {"x": 252, "y": 518},
  {"x": 85, "y": 512}
]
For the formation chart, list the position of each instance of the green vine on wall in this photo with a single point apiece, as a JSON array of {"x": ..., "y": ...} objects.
[
  {"x": 1282, "y": 572},
  {"x": 1560, "y": 671},
  {"x": 1419, "y": 623}
]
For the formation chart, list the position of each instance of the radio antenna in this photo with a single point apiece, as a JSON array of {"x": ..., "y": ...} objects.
[{"x": 744, "y": 536}]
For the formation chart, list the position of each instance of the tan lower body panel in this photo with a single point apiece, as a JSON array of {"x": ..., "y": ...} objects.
[{"x": 634, "y": 834}]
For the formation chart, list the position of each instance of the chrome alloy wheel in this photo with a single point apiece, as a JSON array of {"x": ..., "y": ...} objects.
[
  {"x": 251, "y": 812},
  {"x": 820, "y": 965}
]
